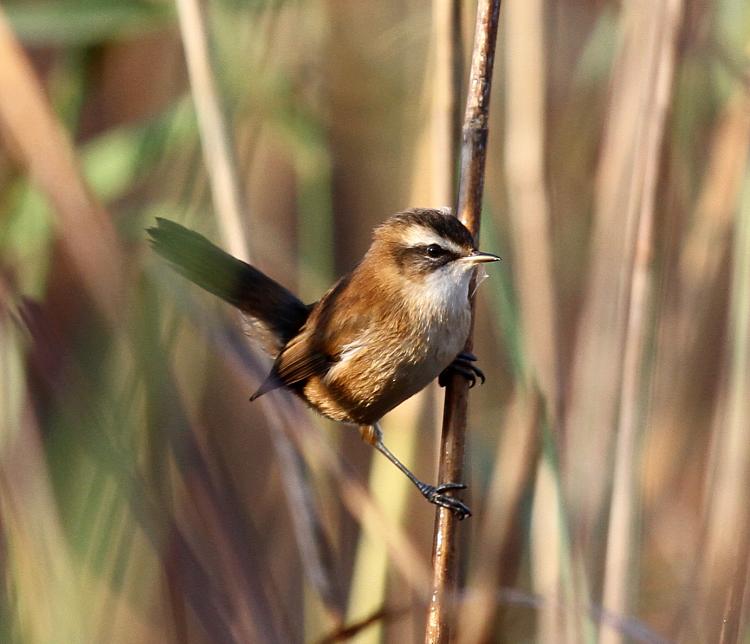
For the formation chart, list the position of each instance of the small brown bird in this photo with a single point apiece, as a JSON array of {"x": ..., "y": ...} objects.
[{"x": 377, "y": 337}]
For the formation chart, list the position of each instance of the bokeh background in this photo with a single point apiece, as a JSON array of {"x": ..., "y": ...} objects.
[{"x": 144, "y": 499}]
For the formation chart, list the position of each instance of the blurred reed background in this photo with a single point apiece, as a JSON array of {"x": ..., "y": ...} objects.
[{"x": 144, "y": 499}]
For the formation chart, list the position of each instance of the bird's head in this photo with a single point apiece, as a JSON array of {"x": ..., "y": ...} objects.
[{"x": 427, "y": 250}]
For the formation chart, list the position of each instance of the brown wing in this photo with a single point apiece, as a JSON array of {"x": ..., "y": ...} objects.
[
  {"x": 319, "y": 344},
  {"x": 298, "y": 361}
]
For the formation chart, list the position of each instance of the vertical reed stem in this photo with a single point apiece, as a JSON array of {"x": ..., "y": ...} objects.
[
  {"x": 214, "y": 131},
  {"x": 634, "y": 376},
  {"x": 446, "y": 95},
  {"x": 445, "y": 555}
]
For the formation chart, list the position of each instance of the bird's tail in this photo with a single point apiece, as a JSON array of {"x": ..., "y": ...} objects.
[{"x": 274, "y": 313}]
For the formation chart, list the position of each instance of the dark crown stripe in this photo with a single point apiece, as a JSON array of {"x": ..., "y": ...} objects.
[{"x": 442, "y": 224}]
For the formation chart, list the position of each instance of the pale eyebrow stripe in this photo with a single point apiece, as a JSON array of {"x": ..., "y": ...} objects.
[{"x": 421, "y": 236}]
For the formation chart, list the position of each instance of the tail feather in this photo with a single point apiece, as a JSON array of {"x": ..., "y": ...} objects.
[{"x": 275, "y": 313}]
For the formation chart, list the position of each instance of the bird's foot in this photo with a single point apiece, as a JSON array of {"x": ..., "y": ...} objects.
[
  {"x": 463, "y": 366},
  {"x": 435, "y": 495}
]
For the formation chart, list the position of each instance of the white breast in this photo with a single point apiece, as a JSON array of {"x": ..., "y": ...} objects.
[
  {"x": 380, "y": 369},
  {"x": 444, "y": 300}
]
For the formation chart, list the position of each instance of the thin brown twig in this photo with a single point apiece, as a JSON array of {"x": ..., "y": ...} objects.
[
  {"x": 445, "y": 555},
  {"x": 349, "y": 631}
]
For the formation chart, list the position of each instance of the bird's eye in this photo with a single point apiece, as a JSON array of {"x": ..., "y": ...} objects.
[{"x": 434, "y": 250}]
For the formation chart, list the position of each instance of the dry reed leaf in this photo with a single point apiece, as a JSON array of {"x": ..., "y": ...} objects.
[
  {"x": 242, "y": 586},
  {"x": 217, "y": 146},
  {"x": 42, "y": 145},
  {"x": 404, "y": 555},
  {"x": 392, "y": 492},
  {"x": 619, "y": 574},
  {"x": 702, "y": 256},
  {"x": 498, "y": 550},
  {"x": 285, "y": 415},
  {"x": 529, "y": 216},
  {"x": 527, "y": 194},
  {"x": 724, "y": 567},
  {"x": 699, "y": 260},
  {"x": 36, "y": 558},
  {"x": 227, "y": 197},
  {"x": 632, "y": 138}
]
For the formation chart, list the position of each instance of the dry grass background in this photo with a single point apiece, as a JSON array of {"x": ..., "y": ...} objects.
[{"x": 142, "y": 498}]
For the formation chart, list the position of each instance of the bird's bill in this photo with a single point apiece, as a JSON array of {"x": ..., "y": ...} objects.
[{"x": 478, "y": 257}]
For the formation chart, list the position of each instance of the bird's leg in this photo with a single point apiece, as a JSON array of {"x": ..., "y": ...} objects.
[
  {"x": 463, "y": 366},
  {"x": 373, "y": 435}
]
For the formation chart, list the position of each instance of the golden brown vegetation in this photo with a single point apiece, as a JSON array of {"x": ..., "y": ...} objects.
[{"x": 143, "y": 498}]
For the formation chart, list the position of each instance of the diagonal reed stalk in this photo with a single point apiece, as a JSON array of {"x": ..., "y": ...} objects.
[
  {"x": 226, "y": 193},
  {"x": 84, "y": 230},
  {"x": 445, "y": 553},
  {"x": 214, "y": 131}
]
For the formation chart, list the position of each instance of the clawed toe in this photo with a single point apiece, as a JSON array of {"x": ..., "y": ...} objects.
[
  {"x": 434, "y": 495},
  {"x": 445, "y": 487},
  {"x": 462, "y": 365},
  {"x": 454, "y": 505}
]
